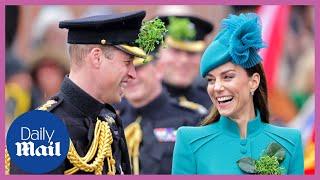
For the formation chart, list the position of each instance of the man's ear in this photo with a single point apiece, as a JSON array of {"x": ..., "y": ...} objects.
[
  {"x": 254, "y": 81},
  {"x": 95, "y": 57}
]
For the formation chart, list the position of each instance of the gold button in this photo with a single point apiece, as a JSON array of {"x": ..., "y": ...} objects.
[{"x": 103, "y": 41}]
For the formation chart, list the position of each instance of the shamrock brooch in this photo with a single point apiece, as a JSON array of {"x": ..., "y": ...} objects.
[{"x": 267, "y": 164}]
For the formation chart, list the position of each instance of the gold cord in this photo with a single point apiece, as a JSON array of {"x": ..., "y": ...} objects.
[
  {"x": 7, "y": 162},
  {"x": 101, "y": 146},
  {"x": 102, "y": 142},
  {"x": 133, "y": 135},
  {"x": 91, "y": 152}
]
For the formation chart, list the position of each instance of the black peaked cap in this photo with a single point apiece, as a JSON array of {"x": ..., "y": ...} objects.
[{"x": 114, "y": 29}]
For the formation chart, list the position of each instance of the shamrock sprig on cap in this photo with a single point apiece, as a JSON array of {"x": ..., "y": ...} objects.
[
  {"x": 181, "y": 29},
  {"x": 267, "y": 164},
  {"x": 151, "y": 35}
]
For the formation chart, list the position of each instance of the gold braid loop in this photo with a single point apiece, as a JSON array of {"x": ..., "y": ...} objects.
[
  {"x": 103, "y": 144},
  {"x": 133, "y": 135},
  {"x": 102, "y": 141},
  {"x": 7, "y": 162},
  {"x": 110, "y": 160},
  {"x": 92, "y": 150}
]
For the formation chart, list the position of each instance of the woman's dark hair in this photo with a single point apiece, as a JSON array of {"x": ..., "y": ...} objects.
[{"x": 260, "y": 98}]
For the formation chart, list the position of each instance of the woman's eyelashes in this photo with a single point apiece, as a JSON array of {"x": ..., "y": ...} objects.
[
  {"x": 210, "y": 80},
  {"x": 227, "y": 77}
]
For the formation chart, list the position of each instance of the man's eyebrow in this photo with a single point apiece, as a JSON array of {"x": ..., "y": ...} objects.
[{"x": 130, "y": 57}]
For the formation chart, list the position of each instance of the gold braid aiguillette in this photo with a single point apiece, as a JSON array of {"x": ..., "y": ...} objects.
[
  {"x": 100, "y": 145},
  {"x": 133, "y": 134}
]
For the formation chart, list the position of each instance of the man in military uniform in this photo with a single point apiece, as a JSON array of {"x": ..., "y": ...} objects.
[
  {"x": 101, "y": 51},
  {"x": 151, "y": 118},
  {"x": 179, "y": 62}
]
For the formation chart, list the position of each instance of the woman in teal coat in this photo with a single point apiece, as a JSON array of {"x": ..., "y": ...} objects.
[{"x": 236, "y": 137}]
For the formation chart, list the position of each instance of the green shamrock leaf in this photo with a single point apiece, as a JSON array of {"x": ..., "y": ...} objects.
[
  {"x": 267, "y": 165},
  {"x": 151, "y": 34},
  {"x": 275, "y": 149},
  {"x": 181, "y": 29},
  {"x": 247, "y": 165}
]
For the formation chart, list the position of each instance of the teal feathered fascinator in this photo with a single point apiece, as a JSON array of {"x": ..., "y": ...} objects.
[{"x": 238, "y": 41}]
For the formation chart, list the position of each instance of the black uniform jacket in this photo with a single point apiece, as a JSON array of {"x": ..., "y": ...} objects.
[
  {"x": 79, "y": 112},
  {"x": 159, "y": 121}
]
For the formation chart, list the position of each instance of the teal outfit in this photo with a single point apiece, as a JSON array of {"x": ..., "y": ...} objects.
[
  {"x": 215, "y": 148},
  {"x": 238, "y": 41}
]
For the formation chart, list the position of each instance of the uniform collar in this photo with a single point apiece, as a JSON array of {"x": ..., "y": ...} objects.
[
  {"x": 82, "y": 100},
  {"x": 176, "y": 91},
  {"x": 229, "y": 126},
  {"x": 158, "y": 103}
]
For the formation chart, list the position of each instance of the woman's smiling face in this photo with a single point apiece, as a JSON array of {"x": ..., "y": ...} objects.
[{"x": 230, "y": 87}]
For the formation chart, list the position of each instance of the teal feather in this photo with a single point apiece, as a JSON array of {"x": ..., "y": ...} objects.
[{"x": 245, "y": 38}]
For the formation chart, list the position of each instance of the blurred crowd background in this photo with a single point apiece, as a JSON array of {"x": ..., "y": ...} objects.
[{"x": 37, "y": 59}]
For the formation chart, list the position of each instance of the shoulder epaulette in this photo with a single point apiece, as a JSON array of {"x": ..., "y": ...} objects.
[
  {"x": 50, "y": 104},
  {"x": 183, "y": 102}
]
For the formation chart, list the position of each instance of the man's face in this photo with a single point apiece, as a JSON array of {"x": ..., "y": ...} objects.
[
  {"x": 146, "y": 82},
  {"x": 115, "y": 73},
  {"x": 179, "y": 68}
]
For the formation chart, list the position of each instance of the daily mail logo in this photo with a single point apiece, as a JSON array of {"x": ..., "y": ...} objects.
[
  {"x": 37, "y": 142},
  {"x": 25, "y": 148}
]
